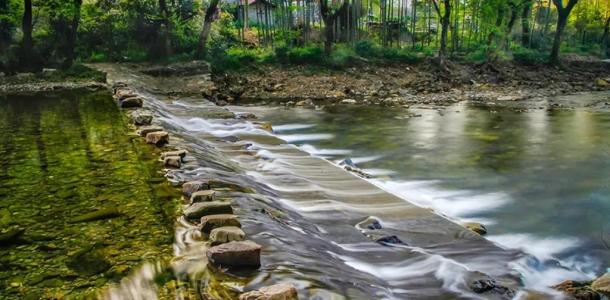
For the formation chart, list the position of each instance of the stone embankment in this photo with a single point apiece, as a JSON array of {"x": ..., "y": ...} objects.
[{"x": 227, "y": 245}]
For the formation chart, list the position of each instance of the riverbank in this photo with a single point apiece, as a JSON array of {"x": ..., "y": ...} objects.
[
  {"x": 407, "y": 84},
  {"x": 77, "y": 78}
]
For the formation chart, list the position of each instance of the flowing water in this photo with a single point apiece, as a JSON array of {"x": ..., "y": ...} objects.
[{"x": 537, "y": 179}]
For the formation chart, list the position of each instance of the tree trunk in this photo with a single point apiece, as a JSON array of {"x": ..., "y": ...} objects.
[
  {"x": 329, "y": 31},
  {"x": 525, "y": 23},
  {"x": 562, "y": 19},
  {"x": 605, "y": 36},
  {"x": 167, "y": 43},
  {"x": 445, "y": 20},
  {"x": 26, "y": 42},
  {"x": 71, "y": 43},
  {"x": 207, "y": 26}
]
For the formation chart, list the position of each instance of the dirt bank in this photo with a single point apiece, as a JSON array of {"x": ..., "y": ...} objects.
[{"x": 405, "y": 84}]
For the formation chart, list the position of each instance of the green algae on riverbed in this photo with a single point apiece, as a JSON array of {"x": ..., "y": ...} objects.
[{"x": 80, "y": 200}]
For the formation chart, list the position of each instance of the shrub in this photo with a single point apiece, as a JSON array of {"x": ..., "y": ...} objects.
[
  {"x": 299, "y": 55},
  {"x": 529, "y": 56}
]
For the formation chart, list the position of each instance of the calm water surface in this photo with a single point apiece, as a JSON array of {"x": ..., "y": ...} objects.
[{"x": 538, "y": 180}]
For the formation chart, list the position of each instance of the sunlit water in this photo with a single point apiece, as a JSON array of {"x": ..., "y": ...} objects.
[{"x": 538, "y": 180}]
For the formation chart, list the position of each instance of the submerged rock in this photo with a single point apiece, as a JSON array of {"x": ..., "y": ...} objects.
[
  {"x": 172, "y": 161},
  {"x": 348, "y": 101},
  {"x": 476, "y": 227},
  {"x": 226, "y": 234},
  {"x": 246, "y": 116},
  {"x": 203, "y": 196},
  {"x": 190, "y": 187},
  {"x": 244, "y": 254},
  {"x": 89, "y": 262},
  {"x": 144, "y": 130},
  {"x": 158, "y": 138},
  {"x": 209, "y": 223},
  {"x": 106, "y": 213},
  {"x": 200, "y": 209},
  {"x": 282, "y": 291},
  {"x": 578, "y": 290},
  {"x": 11, "y": 236},
  {"x": 390, "y": 240},
  {"x": 132, "y": 102},
  {"x": 371, "y": 223}
]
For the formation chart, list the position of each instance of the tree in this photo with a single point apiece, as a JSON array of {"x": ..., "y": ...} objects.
[
  {"x": 563, "y": 12},
  {"x": 445, "y": 17},
  {"x": 329, "y": 13},
  {"x": 26, "y": 42},
  {"x": 605, "y": 36},
  {"x": 71, "y": 42},
  {"x": 525, "y": 23},
  {"x": 166, "y": 31},
  {"x": 207, "y": 25}
]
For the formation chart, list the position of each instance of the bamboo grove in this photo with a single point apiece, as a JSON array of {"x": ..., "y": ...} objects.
[{"x": 56, "y": 32}]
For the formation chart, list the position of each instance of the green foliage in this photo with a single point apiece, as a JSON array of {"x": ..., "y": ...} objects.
[
  {"x": 529, "y": 56},
  {"x": 368, "y": 49},
  {"x": 312, "y": 54}
]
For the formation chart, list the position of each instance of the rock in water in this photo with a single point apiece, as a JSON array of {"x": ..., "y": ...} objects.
[
  {"x": 348, "y": 101},
  {"x": 139, "y": 117},
  {"x": 602, "y": 284},
  {"x": 489, "y": 285},
  {"x": 124, "y": 93},
  {"x": 198, "y": 210},
  {"x": 193, "y": 186},
  {"x": 578, "y": 290},
  {"x": 282, "y": 291},
  {"x": 181, "y": 153},
  {"x": 371, "y": 223},
  {"x": 132, "y": 102},
  {"x": 390, "y": 240},
  {"x": 203, "y": 196},
  {"x": 476, "y": 227},
  {"x": 158, "y": 138},
  {"x": 226, "y": 234},
  {"x": 172, "y": 161},
  {"x": 88, "y": 262},
  {"x": 144, "y": 130},
  {"x": 208, "y": 223},
  {"x": 245, "y": 254},
  {"x": 106, "y": 213}
]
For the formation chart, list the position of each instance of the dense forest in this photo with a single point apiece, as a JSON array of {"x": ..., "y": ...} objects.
[{"x": 56, "y": 33}]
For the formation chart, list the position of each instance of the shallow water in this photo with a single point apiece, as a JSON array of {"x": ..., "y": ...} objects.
[
  {"x": 63, "y": 157},
  {"x": 538, "y": 179}
]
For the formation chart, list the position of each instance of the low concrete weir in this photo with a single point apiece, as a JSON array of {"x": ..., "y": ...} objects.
[{"x": 304, "y": 211}]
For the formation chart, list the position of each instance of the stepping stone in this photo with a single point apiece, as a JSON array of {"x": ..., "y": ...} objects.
[
  {"x": 172, "y": 161},
  {"x": 245, "y": 254},
  {"x": 208, "y": 223},
  {"x": 181, "y": 153},
  {"x": 132, "y": 102},
  {"x": 158, "y": 138},
  {"x": 200, "y": 209},
  {"x": 125, "y": 93},
  {"x": 226, "y": 234},
  {"x": 203, "y": 196},
  {"x": 144, "y": 130},
  {"x": 140, "y": 117},
  {"x": 190, "y": 187},
  {"x": 282, "y": 291}
]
